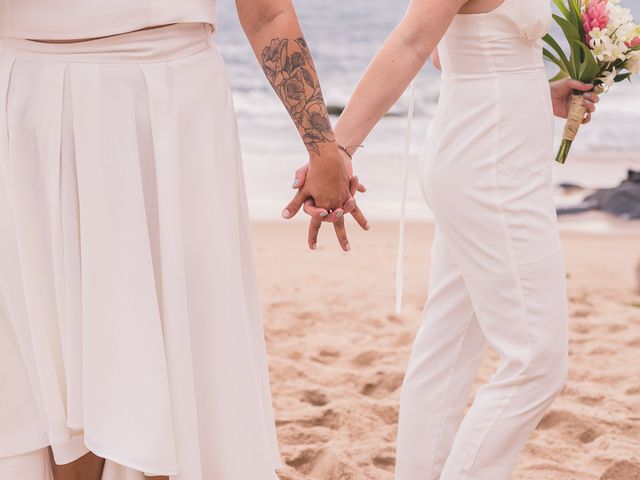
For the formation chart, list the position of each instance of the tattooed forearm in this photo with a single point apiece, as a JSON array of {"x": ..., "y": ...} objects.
[{"x": 290, "y": 70}]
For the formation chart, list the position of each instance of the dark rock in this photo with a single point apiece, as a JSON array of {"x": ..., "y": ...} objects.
[
  {"x": 622, "y": 201},
  {"x": 570, "y": 186}
]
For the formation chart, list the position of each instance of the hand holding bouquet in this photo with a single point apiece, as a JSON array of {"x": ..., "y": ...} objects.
[{"x": 604, "y": 44}]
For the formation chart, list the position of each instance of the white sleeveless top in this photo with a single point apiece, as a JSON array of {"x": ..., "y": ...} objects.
[{"x": 72, "y": 19}]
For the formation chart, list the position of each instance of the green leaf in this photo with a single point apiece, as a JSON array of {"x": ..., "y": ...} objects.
[
  {"x": 589, "y": 67},
  {"x": 576, "y": 59},
  {"x": 569, "y": 29},
  {"x": 563, "y": 8},
  {"x": 576, "y": 16},
  {"x": 558, "y": 49},
  {"x": 622, "y": 77},
  {"x": 572, "y": 35},
  {"x": 560, "y": 76},
  {"x": 553, "y": 59}
]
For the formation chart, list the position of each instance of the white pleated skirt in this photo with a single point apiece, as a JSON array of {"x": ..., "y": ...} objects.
[{"x": 129, "y": 315}]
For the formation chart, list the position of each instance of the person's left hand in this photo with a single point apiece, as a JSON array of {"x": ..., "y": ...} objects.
[
  {"x": 319, "y": 215},
  {"x": 561, "y": 92}
]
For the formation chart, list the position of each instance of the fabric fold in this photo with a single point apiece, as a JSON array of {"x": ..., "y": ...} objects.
[
  {"x": 127, "y": 276},
  {"x": 122, "y": 330}
]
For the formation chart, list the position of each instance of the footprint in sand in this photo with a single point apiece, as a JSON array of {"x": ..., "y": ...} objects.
[
  {"x": 405, "y": 339},
  {"x": 581, "y": 313},
  {"x": 394, "y": 319},
  {"x": 334, "y": 466},
  {"x": 293, "y": 434},
  {"x": 603, "y": 351},
  {"x": 578, "y": 328},
  {"x": 321, "y": 463},
  {"x": 588, "y": 435},
  {"x": 635, "y": 342},
  {"x": 383, "y": 384},
  {"x": 622, "y": 470},
  {"x": 633, "y": 390},
  {"x": 365, "y": 359},
  {"x": 312, "y": 418},
  {"x": 387, "y": 413},
  {"x": 591, "y": 399},
  {"x": 554, "y": 418},
  {"x": 384, "y": 460},
  {"x": 295, "y": 355},
  {"x": 618, "y": 327},
  {"x": 316, "y": 398},
  {"x": 306, "y": 315},
  {"x": 610, "y": 380},
  {"x": 328, "y": 418},
  {"x": 579, "y": 428},
  {"x": 326, "y": 355},
  {"x": 305, "y": 459}
]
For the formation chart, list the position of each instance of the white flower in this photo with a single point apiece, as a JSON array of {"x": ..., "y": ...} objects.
[
  {"x": 608, "y": 51},
  {"x": 618, "y": 51},
  {"x": 626, "y": 32},
  {"x": 618, "y": 15},
  {"x": 600, "y": 52},
  {"x": 609, "y": 77},
  {"x": 633, "y": 65},
  {"x": 597, "y": 37}
]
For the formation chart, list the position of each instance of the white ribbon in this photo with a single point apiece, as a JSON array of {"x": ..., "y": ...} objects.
[{"x": 403, "y": 208}]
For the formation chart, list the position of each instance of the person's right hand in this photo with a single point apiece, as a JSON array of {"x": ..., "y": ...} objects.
[
  {"x": 327, "y": 188},
  {"x": 563, "y": 90},
  {"x": 319, "y": 215}
]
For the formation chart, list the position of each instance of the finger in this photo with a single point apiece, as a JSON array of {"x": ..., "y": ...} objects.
[
  {"x": 592, "y": 97},
  {"x": 358, "y": 186},
  {"x": 314, "y": 228},
  {"x": 311, "y": 209},
  {"x": 334, "y": 216},
  {"x": 587, "y": 119},
  {"x": 577, "y": 85},
  {"x": 295, "y": 204},
  {"x": 360, "y": 218},
  {"x": 590, "y": 106},
  {"x": 353, "y": 185},
  {"x": 341, "y": 233},
  {"x": 350, "y": 205},
  {"x": 300, "y": 177}
]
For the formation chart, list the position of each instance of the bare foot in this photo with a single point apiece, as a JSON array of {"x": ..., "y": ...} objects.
[{"x": 87, "y": 467}]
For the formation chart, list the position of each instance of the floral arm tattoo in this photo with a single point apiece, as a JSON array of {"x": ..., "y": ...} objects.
[{"x": 292, "y": 74}]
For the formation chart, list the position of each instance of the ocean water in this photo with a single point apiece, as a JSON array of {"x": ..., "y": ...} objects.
[{"x": 344, "y": 36}]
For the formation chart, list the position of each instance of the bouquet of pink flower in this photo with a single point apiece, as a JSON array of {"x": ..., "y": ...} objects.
[{"x": 604, "y": 44}]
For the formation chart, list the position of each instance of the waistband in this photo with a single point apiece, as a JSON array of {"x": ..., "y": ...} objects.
[
  {"x": 502, "y": 73},
  {"x": 144, "y": 46}
]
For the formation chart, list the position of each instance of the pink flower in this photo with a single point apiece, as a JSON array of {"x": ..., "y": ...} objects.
[
  {"x": 594, "y": 16},
  {"x": 634, "y": 43}
]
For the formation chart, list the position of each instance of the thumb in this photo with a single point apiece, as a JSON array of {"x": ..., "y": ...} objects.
[
  {"x": 300, "y": 176},
  {"x": 295, "y": 205},
  {"x": 578, "y": 85}
]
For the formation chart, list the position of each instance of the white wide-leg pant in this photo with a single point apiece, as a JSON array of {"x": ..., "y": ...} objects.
[{"x": 497, "y": 278}]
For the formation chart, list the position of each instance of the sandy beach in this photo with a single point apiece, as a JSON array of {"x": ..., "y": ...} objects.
[{"x": 338, "y": 353}]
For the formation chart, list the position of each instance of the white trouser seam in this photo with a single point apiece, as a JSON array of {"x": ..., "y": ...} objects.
[{"x": 473, "y": 453}]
